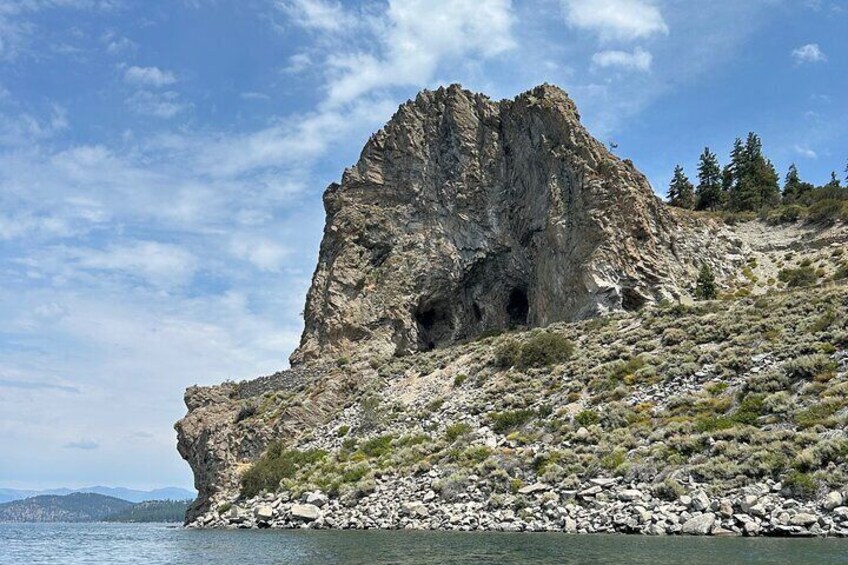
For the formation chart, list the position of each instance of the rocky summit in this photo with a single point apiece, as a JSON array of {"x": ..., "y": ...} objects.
[
  {"x": 504, "y": 333},
  {"x": 464, "y": 216}
]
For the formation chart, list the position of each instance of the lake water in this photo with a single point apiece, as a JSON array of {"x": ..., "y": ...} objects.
[{"x": 155, "y": 544}]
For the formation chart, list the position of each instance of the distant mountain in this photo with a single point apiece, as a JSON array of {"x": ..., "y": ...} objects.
[
  {"x": 152, "y": 511},
  {"x": 166, "y": 493},
  {"x": 74, "y": 507}
]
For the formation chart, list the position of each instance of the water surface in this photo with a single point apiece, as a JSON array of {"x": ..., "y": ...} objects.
[{"x": 157, "y": 544}]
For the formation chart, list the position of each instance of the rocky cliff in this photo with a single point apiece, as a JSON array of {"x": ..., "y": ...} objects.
[
  {"x": 465, "y": 215},
  {"x": 466, "y": 219}
]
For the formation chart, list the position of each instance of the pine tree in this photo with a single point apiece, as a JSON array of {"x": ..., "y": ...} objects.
[
  {"x": 792, "y": 185},
  {"x": 755, "y": 181},
  {"x": 734, "y": 173},
  {"x": 705, "y": 287},
  {"x": 709, "y": 189},
  {"x": 681, "y": 193},
  {"x": 834, "y": 182},
  {"x": 846, "y": 173}
]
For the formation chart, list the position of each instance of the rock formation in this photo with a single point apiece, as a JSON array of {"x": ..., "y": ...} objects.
[{"x": 465, "y": 215}]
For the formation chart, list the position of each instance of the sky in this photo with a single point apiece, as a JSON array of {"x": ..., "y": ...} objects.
[{"x": 162, "y": 164}]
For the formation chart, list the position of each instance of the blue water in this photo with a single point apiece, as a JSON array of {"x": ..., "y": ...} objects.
[{"x": 156, "y": 544}]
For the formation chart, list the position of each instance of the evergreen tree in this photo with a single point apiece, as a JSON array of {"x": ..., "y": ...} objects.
[
  {"x": 681, "y": 193},
  {"x": 705, "y": 287},
  {"x": 709, "y": 189},
  {"x": 846, "y": 173},
  {"x": 755, "y": 181},
  {"x": 733, "y": 174},
  {"x": 792, "y": 185},
  {"x": 834, "y": 181}
]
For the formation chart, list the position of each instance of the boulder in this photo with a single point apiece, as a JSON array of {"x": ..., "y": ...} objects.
[
  {"x": 317, "y": 498},
  {"x": 700, "y": 501},
  {"x": 263, "y": 513},
  {"x": 305, "y": 512},
  {"x": 415, "y": 510},
  {"x": 700, "y": 525},
  {"x": 534, "y": 488},
  {"x": 832, "y": 500},
  {"x": 629, "y": 495},
  {"x": 803, "y": 519}
]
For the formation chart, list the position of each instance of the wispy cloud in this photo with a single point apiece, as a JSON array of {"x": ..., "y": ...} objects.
[
  {"x": 317, "y": 14},
  {"x": 810, "y": 53},
  {"x": 637, "y": 60},
  {"x": 149, "y": 76},
  {"x": 806, "y": 152},
  {"x": 623, "y": 20},
  {"x": 29, "y": 385},
  {"x": 158, "y": 104}
]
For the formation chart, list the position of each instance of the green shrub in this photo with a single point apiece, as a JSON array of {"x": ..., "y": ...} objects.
[
  {"x": 669, "y": 490},
  {"x": 814, "y": 415},
  {"x": 544, "y": 350},
  {"x": 786, "y": 214},
  {"x": 455, "y": 431},
  {"x": 802, "y": 276},
  {"x": 377, "y": 446},
  {"x": 276, "y": 464},
  {"x": 510, "y": 419},
  {"x": 800, "y": 485},
  {"x": 370, "y": 414},
  {"x": 507, "y": 353},
  {"x": 355, "y": 474},
  {"x": 826, "y": 211},
  {"x": 342, "y": 431},
  {"x": 459, "y": 379},
  {"x": 587, "y": 418},
  {"x": 711, "y": 423},
  {"x": 808, "y": 367},
  {"x": 705, "y": 285}
]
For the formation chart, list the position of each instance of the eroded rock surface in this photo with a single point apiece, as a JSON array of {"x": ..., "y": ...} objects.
[{"x": 465, "y": 215}]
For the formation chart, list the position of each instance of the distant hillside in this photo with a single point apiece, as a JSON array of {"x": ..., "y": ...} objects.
[
  {"x": 166, "y": 493},
  {"x": 153, "y": 511},
  {"x": 75, "y": 507}
]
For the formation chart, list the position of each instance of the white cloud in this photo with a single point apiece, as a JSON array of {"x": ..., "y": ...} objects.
[
  {"x": 149, "y": 76},
  {"x": 411, "y": 39},
  {"x": 638, "y": 60},
  {"x": 810, "y": 53},
  {"x": 806, "y": 152},
  {"x": 298, "y": 62},
  {"x": 316, "y": 14},
  {"x": 616, "y": 19},
  {"x": 158, "y": 104},
  {"x": 264, "y": 253},
  {"x": 159, "y": 264}
]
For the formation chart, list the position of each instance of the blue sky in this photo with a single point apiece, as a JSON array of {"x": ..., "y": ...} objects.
[{"x": 162, "y": 164}]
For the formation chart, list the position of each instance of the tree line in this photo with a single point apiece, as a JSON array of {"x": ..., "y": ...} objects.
[{"x": 748, "y": 183}]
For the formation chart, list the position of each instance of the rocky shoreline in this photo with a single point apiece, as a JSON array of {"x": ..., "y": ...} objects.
[{"x": 601, "y": 505}]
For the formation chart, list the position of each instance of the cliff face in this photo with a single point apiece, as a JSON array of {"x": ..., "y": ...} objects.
[{"x": 465, "y": 215}]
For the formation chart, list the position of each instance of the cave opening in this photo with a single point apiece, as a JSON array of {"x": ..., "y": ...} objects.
[
  {"x": 632, "y": 300},
  {"x": 435, "y": 326},
  {"x": 517, "y": 307}
]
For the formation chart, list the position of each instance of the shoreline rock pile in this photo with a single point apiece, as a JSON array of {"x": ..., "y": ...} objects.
[{"x": 600, "y": 505}]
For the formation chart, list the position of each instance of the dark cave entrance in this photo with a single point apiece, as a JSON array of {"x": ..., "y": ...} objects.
[
  {"x": 632, "y": 300},
  {"x": 435, "y": 326},
  {"x": 517, "y": 308}
]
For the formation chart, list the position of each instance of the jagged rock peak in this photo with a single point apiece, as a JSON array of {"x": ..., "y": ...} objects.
[{"x": 465, "y": 215}]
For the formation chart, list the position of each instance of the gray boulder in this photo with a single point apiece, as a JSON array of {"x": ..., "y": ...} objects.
[{"x": 699, "y": 525}]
